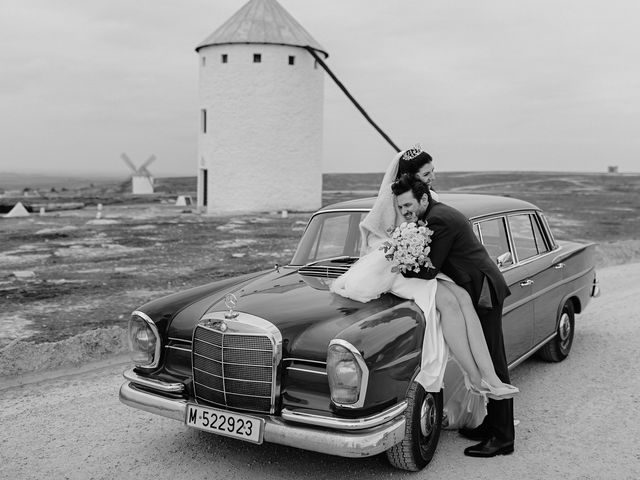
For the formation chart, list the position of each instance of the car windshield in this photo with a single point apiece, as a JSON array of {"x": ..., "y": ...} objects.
[{"x": 330, "y": 235}]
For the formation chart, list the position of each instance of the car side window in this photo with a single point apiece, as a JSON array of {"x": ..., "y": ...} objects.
[
  {"x": 541, "y": 245},
  {"x": 493, "y": 235},
  {"x": 526, "y": 234},
  {"x": 544, "y": 225}
]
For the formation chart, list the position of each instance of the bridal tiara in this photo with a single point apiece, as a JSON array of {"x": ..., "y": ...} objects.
[{"x": 412, "y": 152}]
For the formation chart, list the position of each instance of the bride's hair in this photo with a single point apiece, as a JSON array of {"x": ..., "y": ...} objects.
[{"x": 413, "y": 165}]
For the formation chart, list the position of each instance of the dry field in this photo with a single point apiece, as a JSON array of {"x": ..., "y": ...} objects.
[{"x": 71, "y": 278}]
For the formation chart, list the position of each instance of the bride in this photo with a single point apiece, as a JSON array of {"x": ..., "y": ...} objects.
[{"x": 458, "y": 328}]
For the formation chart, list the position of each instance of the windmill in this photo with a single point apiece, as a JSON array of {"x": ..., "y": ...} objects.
[{"x": 141, "y": 178}]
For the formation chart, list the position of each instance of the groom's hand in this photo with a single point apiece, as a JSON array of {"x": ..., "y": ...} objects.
[{"x": 424, "y": 273}]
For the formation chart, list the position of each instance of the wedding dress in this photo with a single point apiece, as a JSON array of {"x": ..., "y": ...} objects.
[{"x": 371, "y": 276}]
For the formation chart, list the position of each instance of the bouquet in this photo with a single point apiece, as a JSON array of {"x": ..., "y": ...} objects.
[{"x": 408, "y": 248}]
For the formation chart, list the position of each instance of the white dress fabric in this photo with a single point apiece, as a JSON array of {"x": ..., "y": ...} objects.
[{"x": 371, "y": 276}]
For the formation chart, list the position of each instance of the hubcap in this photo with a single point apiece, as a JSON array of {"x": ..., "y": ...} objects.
[
  {"x": 564, "y": 329},
  {"x": 428, "y": 415}
]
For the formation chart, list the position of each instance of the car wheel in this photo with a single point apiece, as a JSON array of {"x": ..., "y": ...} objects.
[
  {"x": 558, "y": 348},
  {"x": 422, "y": 431}
]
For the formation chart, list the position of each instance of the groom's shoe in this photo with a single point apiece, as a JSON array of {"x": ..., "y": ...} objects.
[
  {"x": 477, "y": 434},
  {"x": 489, "y": 448}
]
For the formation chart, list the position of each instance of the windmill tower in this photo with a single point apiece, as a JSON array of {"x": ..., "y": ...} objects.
[
  {"x": 141, "y": 178},
  {"x": 261, "y": 95}
]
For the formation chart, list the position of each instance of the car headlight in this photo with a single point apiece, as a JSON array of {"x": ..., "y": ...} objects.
[
  {"x": 348, "y": 374},
  {"x": 144, "y": 341}
]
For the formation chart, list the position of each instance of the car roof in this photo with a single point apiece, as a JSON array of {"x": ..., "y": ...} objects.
[{"x": 471, "y": 204}]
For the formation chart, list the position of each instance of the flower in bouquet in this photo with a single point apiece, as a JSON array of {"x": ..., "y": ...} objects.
[{"x": 408, "y": 248}]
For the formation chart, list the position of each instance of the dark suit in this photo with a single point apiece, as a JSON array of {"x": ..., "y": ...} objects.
[{"x": 457, "y": 252}]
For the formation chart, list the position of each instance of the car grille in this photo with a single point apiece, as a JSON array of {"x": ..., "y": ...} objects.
[{"x": 234, "y": 370}]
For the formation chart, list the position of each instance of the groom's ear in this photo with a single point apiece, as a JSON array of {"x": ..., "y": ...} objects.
[{"x": 424, "y": 201}]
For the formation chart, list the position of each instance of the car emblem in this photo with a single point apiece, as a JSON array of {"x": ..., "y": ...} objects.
[{"x": 230, "y": 301}]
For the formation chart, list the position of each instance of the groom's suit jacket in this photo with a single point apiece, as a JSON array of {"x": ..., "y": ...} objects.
[{"x": 457, "y": 252}]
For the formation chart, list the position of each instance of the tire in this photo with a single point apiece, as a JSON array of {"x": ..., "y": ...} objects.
[
  {"x": 422, "y": 432},
  {"x": 558, "y": 348}
]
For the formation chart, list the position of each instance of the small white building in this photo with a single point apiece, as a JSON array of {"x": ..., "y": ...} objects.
[
  {"x": 141, "y": 184},
  {"x": 261, "y": 96}
]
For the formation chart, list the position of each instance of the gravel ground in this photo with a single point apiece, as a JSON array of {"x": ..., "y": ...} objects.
[{"x": 577, "y": 420}]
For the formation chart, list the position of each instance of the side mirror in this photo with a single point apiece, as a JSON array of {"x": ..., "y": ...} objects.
[{"x": 505, "y": 259}]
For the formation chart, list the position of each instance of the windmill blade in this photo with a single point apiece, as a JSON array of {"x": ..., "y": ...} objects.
[
  {"x": 128, "y": 161},
  {"x": 148, "y": 162}
]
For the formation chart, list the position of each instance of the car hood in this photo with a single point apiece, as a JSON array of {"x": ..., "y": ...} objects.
[{"x": 307, "y": 314}]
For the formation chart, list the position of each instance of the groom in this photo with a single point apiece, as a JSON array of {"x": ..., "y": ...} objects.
[{"x": 456, "y": 252}]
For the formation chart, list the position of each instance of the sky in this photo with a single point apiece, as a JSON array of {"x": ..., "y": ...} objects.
[{"x": 544, "y": 85}]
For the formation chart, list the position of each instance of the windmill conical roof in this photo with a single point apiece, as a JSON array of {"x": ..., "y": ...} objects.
[{"x": 262, "y": 22}]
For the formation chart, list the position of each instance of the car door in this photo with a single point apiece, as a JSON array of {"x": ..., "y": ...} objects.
[
  {"x": 517, "y": 318},
  {"x": 533, "y": 249}
]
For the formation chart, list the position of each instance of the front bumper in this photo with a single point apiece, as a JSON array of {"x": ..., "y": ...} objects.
[{"x": 360, "y": 437}]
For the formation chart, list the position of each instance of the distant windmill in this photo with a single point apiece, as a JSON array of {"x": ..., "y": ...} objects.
[{"x": 141, "y": 179}]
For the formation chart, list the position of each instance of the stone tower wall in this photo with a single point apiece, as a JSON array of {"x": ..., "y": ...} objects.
[{"x": 263, "y": 144}]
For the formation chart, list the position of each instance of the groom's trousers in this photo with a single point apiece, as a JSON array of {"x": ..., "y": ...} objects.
[{"x": 499, "y": 419}]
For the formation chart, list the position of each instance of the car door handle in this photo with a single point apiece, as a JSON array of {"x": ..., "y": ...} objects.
[
  {"x": 526, "y": 283},
  {"x": 558, "y": 266}
]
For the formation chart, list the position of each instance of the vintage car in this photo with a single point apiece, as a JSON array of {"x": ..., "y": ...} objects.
[{"x": 274, "y": 356}]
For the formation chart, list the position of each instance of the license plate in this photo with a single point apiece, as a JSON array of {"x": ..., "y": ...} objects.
[{"x": 222, "y": 422}]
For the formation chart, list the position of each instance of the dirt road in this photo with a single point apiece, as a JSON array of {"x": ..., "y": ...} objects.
[{"x": 577, "y": 419}]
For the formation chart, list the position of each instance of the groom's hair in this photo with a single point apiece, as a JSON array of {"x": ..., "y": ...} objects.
[{"x": 408, "y": 182}]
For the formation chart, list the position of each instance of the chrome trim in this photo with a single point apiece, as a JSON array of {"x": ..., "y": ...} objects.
[
  {"x": 158, "y": 385},
  {"x": 554, "y": 247},
  {"x": 541, "y": 292},
  {"x": 358, "y": 444},
  {"x": 595, "y": 288},
  {"x": 345, "y": 423},
  {"x": 237, "y": 348},
  {"x": 322, "y": 271},
  {"x": 333, "y": 210},
  {"x": 521, "y": 359},
  {"x": 297, "y": 369},
  {"x": 352, "y": 444},
  {"x": 294, "y": 359},
  {"x": 365, "y": 373},
  {"x": 547, "y": 229},
  {"x": 154, "y": 329},
  {"x": 167, "y": 407},
  {"x": 570, "y": 279},
  {"x": 180, "y": 340},
  {"x": 231, "y": 363},
  {"x": 237, "y": 326},
  {"x": 174, "y": 347},
  {"x": 237, "y": 394},
  {"x": 235, "y": 379},
  {"x": 501, "y": 213}
]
